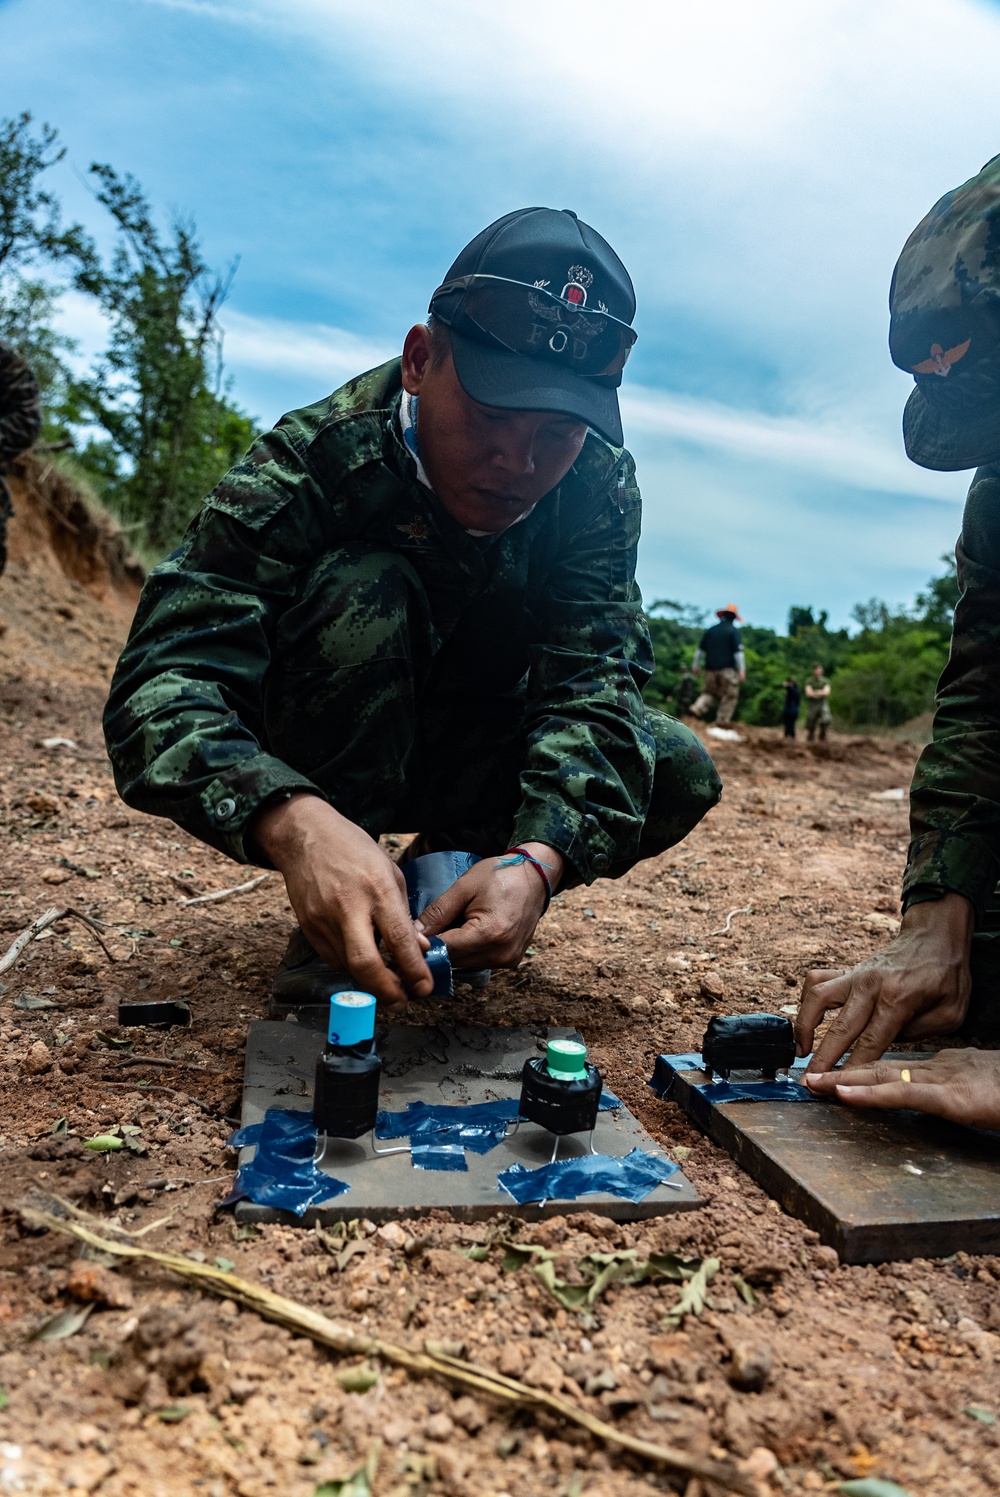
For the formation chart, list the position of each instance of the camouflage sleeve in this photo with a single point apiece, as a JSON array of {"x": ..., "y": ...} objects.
[
  {"x": 184, "y": 719},
  {"x": 20, "y": 405},
  {"x": 955, "y": 796},
  {"x": 590, "y": 759}
]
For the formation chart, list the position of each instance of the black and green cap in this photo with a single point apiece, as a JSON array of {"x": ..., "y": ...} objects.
[
  {"x": 944, "y": 303},
  {"x": 540, "y": 310}
]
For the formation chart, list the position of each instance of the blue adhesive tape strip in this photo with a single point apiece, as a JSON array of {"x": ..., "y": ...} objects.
[
  {"x": 439, "y": 962},
  {"x": 479, "y": 1126},
  {"x": 783, "y": 1089},
  {"x": 438, "y": 1156},
  {"x": 631, "y": 1177},
  {"x": 282, "y": 1172}
]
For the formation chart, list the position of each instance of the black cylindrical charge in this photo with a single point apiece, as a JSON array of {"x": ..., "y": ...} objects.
[
  {"x": 560, "y": 1105},
  {"x": 345, "y": 1100}
]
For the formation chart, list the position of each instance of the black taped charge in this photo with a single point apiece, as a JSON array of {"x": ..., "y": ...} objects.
[
  {"x": 560, "y": 1106},
  {"x": 345, "y": 1101}
]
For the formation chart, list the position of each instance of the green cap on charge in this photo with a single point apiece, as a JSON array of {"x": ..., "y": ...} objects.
[{"x": 566, "y": 1060}]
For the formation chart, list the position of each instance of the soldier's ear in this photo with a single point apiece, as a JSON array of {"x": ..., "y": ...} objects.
[{"x": 417, "y": 357}]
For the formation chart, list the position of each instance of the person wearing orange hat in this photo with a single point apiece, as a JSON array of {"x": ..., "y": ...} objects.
[{"x": 720, "y": 650}]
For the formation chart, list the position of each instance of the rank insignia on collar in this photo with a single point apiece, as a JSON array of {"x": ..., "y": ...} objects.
[
  {"x": 416, "y": 530},
  {"x": 576, "y": 288}
]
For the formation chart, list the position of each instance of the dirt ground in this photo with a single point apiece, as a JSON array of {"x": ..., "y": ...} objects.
[{"x": 163, "y": 1391}]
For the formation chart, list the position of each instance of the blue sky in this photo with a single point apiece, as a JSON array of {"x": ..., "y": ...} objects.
[{"x": 757, "y": 168}]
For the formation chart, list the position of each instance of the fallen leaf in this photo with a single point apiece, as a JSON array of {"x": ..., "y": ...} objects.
[
  {"x": 983, "y": 1415},
  {"x": 4, "y": 1397},
  {"x": 104, "y": 1143},
  {"x": 66, "y": 1323},
  {"x": 873, "y": 1486},
  {"x": 695, "y": 1292},
  {"x": 112, "y": 1041},
  {"x": 743, "y": 1289},
  {"x": 226, "y": 1264},
  {"x": 478, "y": 1254},
  {"x": 357, "y": 1379},
  {"x": 597, "y": 1270},
  {"x": 59, "y": 1126},
  {"x": 31, "y": 1001},
  {"x": 359, "y": 1484},
  {"x": 173, "y": 1414}
]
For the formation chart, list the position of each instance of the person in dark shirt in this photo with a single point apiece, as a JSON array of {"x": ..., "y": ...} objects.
[
  {"x": 721, "y": 652},
  {"x": 790, "y": 711}
]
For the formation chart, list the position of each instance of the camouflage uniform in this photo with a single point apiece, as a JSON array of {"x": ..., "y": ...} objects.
[
  {"x": 945, "y": 330},
  {"x": 20, "y": 423},
  {"x": 817, "y": 709},
  {"x": 326, "y": 625}
]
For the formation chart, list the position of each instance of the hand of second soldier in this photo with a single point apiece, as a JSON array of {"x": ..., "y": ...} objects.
[
  {"x": 345, "y": 893},
  {"x": 917, "y": 985},
  {"x": 488, "y": 916},
  {"x": 963, "y": 1085}
]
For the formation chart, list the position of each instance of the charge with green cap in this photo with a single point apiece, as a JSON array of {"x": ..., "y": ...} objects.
[{"x": 566, "y": 1060}]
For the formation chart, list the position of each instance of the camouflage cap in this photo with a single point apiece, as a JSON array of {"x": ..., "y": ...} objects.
[{"x": 945, "y": 327}]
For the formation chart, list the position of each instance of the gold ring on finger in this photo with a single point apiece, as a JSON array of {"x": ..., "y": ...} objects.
[{"x": 904, "y": 1075}]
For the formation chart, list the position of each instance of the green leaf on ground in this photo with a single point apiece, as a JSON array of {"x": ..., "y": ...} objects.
[
  {"x": 104, "y": 1143},
  {"x": 173, "y": 1414},
  {"x": 357, "y": 1485},
  {"x": 357, "y": 1379},
  {"x": 695, "y": 1292},
  {"x": 597, "y": 1271},
  {"x": 4, "y": 1397},
  {"x": 873, "y": 1486},
  {"x": 66, "y": 1323},
  {"x": 983, "y": 1415},
  {"x": 743, "y": 1289},
  {"x": 59, "y": 1126},
  {"x": 226, "y": 1264},
  {"x": 478, "y": 1254}
]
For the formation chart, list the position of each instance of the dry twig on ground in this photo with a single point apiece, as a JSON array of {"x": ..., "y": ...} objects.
[
  {"x": 221, "y": 894},
  {"x": 723, "y": 930},
  {"x": 300, "y": 1318},
  {"x": 45, "y": 919}
]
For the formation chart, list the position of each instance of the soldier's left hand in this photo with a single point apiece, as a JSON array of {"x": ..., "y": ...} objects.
[
  {"x": 963, "y": 1085},
  {"x": 488, "y": 916}
]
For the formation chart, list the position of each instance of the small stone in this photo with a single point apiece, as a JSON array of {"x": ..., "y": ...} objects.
[
  {"x": 825, "y": 1257},
  {"x": 395, "y": 1431},
  {"x": 760, "y": 1463},
  {"x": 511, "y": 1359},
  {"x": 544, "y": 1373},
  {"x": 38, "y": 1059},
  {"x": 392, "y": 1235},
  {"x": 468, "y": 1414},
  {"x": 44, "y": 805},
  {"x": 751, "y": 1366},
  {"x": 96, "y": 1285},
  {"x": 56, "y": 876},
  {"x": 712, "y": 987},
  {"x": 439, "y": 1427}
]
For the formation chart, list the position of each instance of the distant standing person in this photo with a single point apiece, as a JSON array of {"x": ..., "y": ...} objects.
[
  {"x": 818, "y": 712},
  {"x": 721, "y": 652},
  {"x": 790, "y": 711},
  {"x": 20, "y": 423}
]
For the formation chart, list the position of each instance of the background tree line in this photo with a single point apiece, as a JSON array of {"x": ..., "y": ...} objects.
[
  {"x": 882, "y": 676},
  {"x": 151, "y": 422}
]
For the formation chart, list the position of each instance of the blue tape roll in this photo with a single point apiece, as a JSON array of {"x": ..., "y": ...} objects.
[
  {"x": 352, "y": 1018},
  {"x": 439, "y": 961}
]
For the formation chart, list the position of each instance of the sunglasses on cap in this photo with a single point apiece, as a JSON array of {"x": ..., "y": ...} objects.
[{"x": 530, "y": 320}]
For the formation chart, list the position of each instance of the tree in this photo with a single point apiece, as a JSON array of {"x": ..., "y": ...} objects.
[
  {"x": 31, "y": 228},
  {"x": 158, "y": 391}
]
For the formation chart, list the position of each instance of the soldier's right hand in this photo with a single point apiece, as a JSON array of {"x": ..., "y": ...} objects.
[
  {"x": 345, "y": 893},
  {"x": 916, "y": 986}
]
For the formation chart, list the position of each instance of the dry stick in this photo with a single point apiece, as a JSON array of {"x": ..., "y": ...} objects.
[
  {"x": 319, "y": 1328},
  {"x": 47, "y": 918},
  {"x": 724, "y": 930},
  {"x": 155, "y": 1060},
  {"x": 227, "y": 893}
]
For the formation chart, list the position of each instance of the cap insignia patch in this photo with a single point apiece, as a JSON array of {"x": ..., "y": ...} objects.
[
  {"x": 941, "y": 360},
  {"x": 576, "y": 288},
  {"x": 416, "y": 530}
]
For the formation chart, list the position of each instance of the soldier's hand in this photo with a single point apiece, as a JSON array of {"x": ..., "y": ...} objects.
[
  {"x": 963, "y": 1085},
  {"x": 916, "y": 986},
  {"x": 495, "y": 910},
  {"x": 345, "y": 893}
]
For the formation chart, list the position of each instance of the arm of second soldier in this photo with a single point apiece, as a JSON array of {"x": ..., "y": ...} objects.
[
  {"x": 919, "y": 984},
  {"x": 184, "y": 720}
]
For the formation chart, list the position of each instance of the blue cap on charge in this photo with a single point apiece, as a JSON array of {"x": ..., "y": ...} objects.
[{"x": 352, "y": 1018}]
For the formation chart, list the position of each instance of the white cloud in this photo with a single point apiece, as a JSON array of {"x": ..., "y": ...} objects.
[{"x": 328, "y": 355}]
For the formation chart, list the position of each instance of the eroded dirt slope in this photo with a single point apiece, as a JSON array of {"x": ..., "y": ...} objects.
[{"x": 873, "y": 1370}]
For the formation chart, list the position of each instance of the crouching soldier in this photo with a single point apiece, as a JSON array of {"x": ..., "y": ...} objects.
[{"x": 413, "y": 606}]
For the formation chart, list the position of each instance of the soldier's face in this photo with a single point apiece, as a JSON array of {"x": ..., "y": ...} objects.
[{"x": 486, "y": 466}]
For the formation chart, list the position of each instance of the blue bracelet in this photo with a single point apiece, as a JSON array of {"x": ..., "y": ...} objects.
[{"x": 515, "y": 855}]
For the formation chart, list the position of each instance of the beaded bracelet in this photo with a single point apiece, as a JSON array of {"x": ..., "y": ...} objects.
[{"x": 515, "y": 855}]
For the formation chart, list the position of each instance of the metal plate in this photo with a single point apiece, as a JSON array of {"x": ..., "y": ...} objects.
[
  {"x": 455, "y": 1066},
  {"x": 874, "y": 1185}
]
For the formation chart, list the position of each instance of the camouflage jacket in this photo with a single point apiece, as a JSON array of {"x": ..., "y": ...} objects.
[
  {"x": 20, "y": 406},
  {"x": 184, "y": 724},
  {"x": 955, "y": 797}
]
